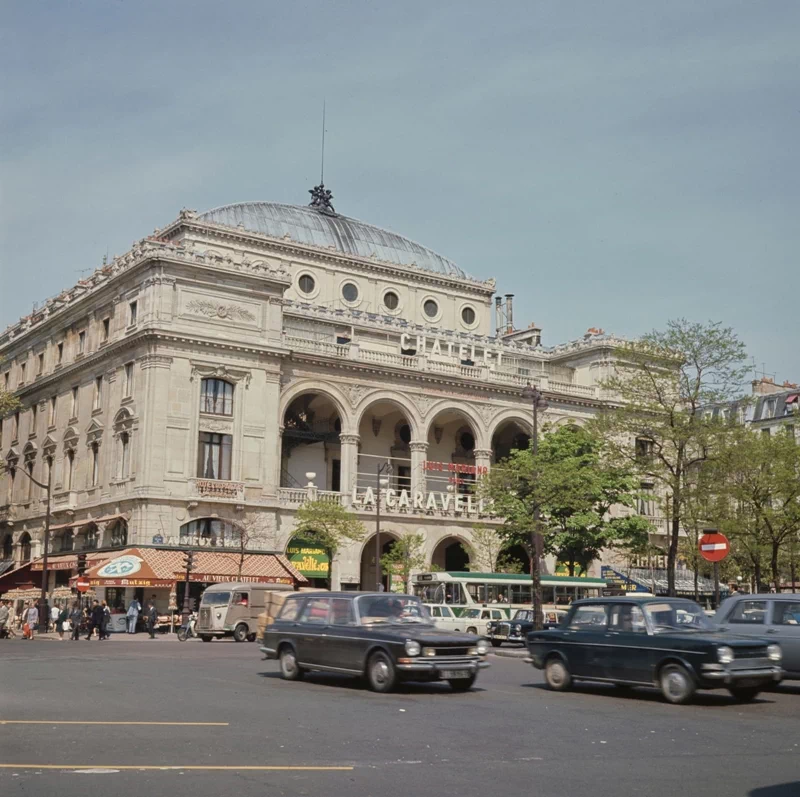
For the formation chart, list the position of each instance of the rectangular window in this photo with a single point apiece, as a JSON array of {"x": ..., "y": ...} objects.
[
  {"x": 70, "y": 465},
  {"x": 81, "y": 342},
  {"x": 22, "y": 369},
  {"x": 95, "y": 464},
  {"x": 16, "y": 426},
  {"x": 40, "y": 364},
  {"x": 749, "y": 613},
  {"x": 7, "y": 380},
  {"x": 60, "y": 355},
  {"x": 98, "y": 392},
  {"x": 51, "y": 421},
  {"x": 106, "y": 328},
  {"x": 627, "y": 618},
  {"x": 34, "y": 417},
  {"x": 216, "y": 396},
  {"x": 74, "y": 410},
  {"x": 125, "y": 453},
  {"x": 315, "y": 611},
  {"x": 214, "y": 456},
  {"x": 133, "y": 313},
  {"x": 127, "y": 385},
  {"x": 342, "y": 612},
  {"x": 786, "y": 613},
  {"x": 589, "y": 618}
]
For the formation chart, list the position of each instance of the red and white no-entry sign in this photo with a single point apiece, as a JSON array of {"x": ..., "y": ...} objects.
[
  {"x": 714, "y": 547},
  {"x": 82, "y": 584}
]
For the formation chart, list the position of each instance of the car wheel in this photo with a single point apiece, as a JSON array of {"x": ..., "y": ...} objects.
[
  {"x": 557, "y": 675},
  {"x": 472, "y": 630},
  {"x": 744, "y": 694},
  {"x": 241, "y": 632},
  {"x": 381, "y": 674},
  {"x": 290, "y": 669},
  {"x": 496, "y": 643},
  {"x": 677, "y": 685},
  {"x": 205, "y": 637},
  {"x": 462, "y": 684},
  {"x": 251, "y": 637}
]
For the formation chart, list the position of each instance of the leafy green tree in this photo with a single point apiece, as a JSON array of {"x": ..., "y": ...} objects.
[
  {"x": 763, "y": 486},
  {"x": 485, "y": 550},
  {"x": 660, "y": 385},
  {"x": 330, "y": 525},
  {"x": 406, "y": 555}
]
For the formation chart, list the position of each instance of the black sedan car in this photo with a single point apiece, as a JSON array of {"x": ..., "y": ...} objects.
[
  {"x": 382, "y": 636},
  {"x": 521, "y": 624},
  {"x": 663, "y": 642}
]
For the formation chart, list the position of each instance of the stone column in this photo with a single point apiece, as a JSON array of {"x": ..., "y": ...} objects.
[
  {"x": 349, "y": 453},
  {"x": 419, "y": 453},
  {"x": 483, "y": 458}
]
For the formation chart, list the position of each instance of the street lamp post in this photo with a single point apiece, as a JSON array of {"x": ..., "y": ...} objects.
[
  {"x": 43, "y": 618},
  {"x": 536, "y": 398},
  {"x": 382, "y": 479}
]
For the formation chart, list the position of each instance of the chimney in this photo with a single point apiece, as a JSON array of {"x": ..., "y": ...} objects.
[
  {"x": 498, "y": 315},
  {"x": 765, "y": 386},
  {"x": 510, "y": 312}
]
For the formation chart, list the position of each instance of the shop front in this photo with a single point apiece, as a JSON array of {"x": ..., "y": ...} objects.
[{"x": 159, "y": 575}]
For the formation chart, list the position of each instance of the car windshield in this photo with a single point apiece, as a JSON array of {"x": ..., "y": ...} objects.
[
  {"x": 392, "y": 609},
  {"x": 677, "y": 616},
  {"x": 216, "y": 598},
  {"x": 471, "y": 614},
  {"x": 523, "y": 615}
]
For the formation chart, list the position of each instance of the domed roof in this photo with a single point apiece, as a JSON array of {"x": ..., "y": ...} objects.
[{"x": 307, "y": 225}]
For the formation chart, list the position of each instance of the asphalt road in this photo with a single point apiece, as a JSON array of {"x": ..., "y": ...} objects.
[{"x": 509, "y": 735}]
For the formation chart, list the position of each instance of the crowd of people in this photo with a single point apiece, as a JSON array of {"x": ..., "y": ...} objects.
[{"x": 75, "y": 620}]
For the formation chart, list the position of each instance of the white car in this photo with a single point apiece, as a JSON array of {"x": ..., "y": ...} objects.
[{"x": 444, "y": 618}]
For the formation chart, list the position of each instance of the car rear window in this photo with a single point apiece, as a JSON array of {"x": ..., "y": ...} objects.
[
  {"x": 589, "y": 618},
  {"x": 289, "y": 609}
]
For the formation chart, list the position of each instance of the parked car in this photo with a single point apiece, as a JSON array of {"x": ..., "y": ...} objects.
[
  {"x": 521, "y": 624},
  {"x": 443, "y": 617},
  {"x": 775, "y": 616},
  {"x": 232, "y": 609},
  {"x": 477, "y": 620},
  {"x": 663, "y": 642},
  {"x": 385, "y": 637}
]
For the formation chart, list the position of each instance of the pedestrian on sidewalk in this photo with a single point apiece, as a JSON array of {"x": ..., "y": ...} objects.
[
  {"x": 4, "y": 614},
  {"x": 133, "y": 615},
  {"x": 31, "y": 620},
  {"x": 55, "y": 610},
  {"x": 13, "y": 621},
  {"x": 75, "y": 619},
  {"x": 62, "y": 617},
  {"x": 96, "y": 616},
  {"x": 104, "y": 626},
  {"x": 152, "y": 619}
]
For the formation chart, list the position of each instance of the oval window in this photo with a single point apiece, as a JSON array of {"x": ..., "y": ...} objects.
[
  {"x": 468, "y": 316},
  {"x": 306, "y": 283},
  {"x": 467, "y": 441},
  {"x": 391, "y": 300},
  {"x": 349, "y": 292},
  {"x": 431, "y": 308}
]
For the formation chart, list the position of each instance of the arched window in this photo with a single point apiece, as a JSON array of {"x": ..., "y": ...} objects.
[
  {"x": 8, "y": 547},
  {"x": 216, "y": 397},
  {"x": 209, "y": 531},
  {"x": 70, "y": 466},
  {"x": 25, "y": 547},
  {"x": 90, "y": 538}
]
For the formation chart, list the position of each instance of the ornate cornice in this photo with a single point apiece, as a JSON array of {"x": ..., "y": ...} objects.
[
  {"x": 211, "y": 370},
  {"x": 154, "y": 361},
  {"x": 349, "y": 439}
]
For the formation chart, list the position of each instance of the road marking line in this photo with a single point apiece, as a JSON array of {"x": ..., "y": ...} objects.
[
  {"x": 103, "y": 722},
  {"x": 275, "y": 768}
]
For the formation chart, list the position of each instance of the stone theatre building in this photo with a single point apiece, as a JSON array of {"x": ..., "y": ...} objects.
[{"x": 199, "y": 388}]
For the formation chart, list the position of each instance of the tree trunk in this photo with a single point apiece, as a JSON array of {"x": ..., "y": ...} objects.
[
  {"x": 672, "y": 553},
  {"x": 571, "y": 567},
  {"x": 776, "y": 580},
  {"x": 757, "y": 575}
]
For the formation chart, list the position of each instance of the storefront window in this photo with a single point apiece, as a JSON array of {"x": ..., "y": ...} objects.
[
  {"x": 115, "y": 597},
  {"x": 209, "y": 531}
]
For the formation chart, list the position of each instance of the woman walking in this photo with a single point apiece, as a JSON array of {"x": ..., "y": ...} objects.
[
  {"x": 63, "y": 615},
  {"x": 106, "y": 622},
  {"x": 31, "y": 620}
]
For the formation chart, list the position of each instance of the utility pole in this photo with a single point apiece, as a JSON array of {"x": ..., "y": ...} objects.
[
  {"x": 536, "y": 398},
  {"x": 186, "y": 611},
  {"x": 43, "y": 608},
  {"x": 385, "y": 468}
]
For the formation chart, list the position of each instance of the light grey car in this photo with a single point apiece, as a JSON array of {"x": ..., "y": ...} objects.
[{"x": 772, "y": 616}]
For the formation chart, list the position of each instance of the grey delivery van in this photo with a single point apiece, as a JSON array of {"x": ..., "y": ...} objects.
[{"x": 232, "y": 609}]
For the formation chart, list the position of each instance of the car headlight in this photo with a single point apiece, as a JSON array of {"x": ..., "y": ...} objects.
[
  {"x": 428, "y": 651},
  {"x": 517, "y": 628},
  {"x": 482, "y": 647},
  {"x": 488, "y": 626},
  {"x": 472, "y": 651},
  {"x": 724, "y": 654},
  {"x": 774, "y": 652},
  {"x": 412, "y": 648},
  {"x": 219, "y": 615}
]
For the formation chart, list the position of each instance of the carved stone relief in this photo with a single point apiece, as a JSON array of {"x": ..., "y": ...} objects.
[{"x": 231, "y": 312}]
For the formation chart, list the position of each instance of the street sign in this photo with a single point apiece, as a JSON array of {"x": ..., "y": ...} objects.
[
  {"x": 714, "y": 547},
  {"x": 82, "y": 584}
]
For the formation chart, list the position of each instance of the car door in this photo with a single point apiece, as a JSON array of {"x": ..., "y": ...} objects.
[
  {"x": 343, "y": 649},
  {"x": 629, "y": 655},
  {"x": 585, "y": 641},
  {"x": 312, "y": 631},
  {"x": 448, "y": 620},
  {"x": 785, "y": 628}
]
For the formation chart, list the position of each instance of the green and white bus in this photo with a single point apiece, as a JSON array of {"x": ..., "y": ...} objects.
[{"x": 499, "y": 595}]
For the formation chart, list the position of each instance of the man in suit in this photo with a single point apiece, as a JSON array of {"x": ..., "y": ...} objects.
[
  {"x": 96, "y": 620},
  {"x": 152, "y": 619}
]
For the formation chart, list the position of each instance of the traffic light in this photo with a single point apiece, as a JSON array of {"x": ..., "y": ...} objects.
[
  {"x": 81, "y": 563},
  {"x": 189, "y": 563}
]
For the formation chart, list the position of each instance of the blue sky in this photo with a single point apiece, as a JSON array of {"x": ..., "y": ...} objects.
[{"x": 613, "y": 164}]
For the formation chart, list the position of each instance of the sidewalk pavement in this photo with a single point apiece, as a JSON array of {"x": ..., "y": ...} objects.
[
  {"x": 52, "y": 636},
  {"x": 511, "y": 653}
]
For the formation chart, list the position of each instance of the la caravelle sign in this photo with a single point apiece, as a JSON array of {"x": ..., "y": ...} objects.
[{"x": 446, "y": 502}]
